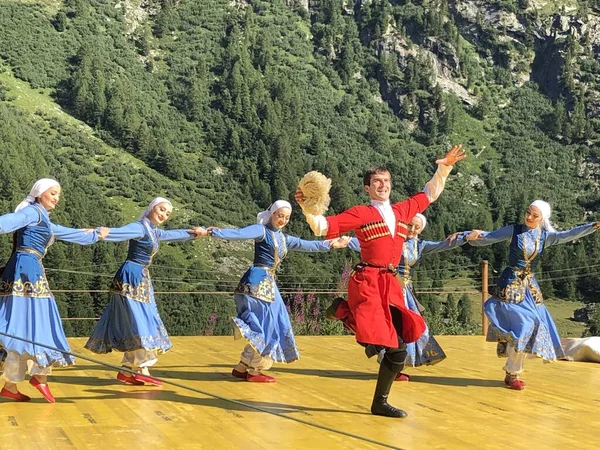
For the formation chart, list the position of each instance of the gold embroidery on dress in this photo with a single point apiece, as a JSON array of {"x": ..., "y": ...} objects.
[
  {"x": 140, "y": 293},
  {"x": 152, "y": 236},
  {"x": 39, "y": 289},
  {"x": 515, "y": 291},
  {"x": 265, "y": 290}
]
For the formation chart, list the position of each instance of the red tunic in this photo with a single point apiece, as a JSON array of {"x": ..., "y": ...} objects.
[{"x": 372, "y": 290}]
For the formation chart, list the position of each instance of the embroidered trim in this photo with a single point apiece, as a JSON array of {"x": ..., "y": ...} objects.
[
  {"x": 401, "y": 229},
  {"x": 141, "y": 293},
  {"x": 31, "y": 251},
  {"x": 265, "y": 290},
  {"x": 39, "y": 289}
]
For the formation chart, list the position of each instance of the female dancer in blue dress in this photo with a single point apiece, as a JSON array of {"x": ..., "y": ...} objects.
[
  {"x": 519, "y": 320},
  {"x": 27, "y": 307},
  {"x": 131, "y": 322},
  {"x": 426, "y": 350},
  {"x": 262, "y": 318}
]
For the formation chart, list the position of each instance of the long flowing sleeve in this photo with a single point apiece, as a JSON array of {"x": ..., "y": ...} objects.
[
  {"x": 493, "y": 237},
  {"x": 318, "y": 224},
  {"x": 74, "y": 235},
  {"x": 15, "y": 221},
  {"x": 442, "y": 246},
  {"x": 435, "y": 186},
  {"x": 302, "y": 245},
  {"x": 561, "y": 237},
  {"x": 133, "y": 230},
  {"x": 174, "y": 235},
  {"x": 256, "y": 232}
]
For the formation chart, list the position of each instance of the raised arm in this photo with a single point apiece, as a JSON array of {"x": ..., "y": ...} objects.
[
  {"x": 303, "y": 245},
  {"x": 255, "y": 232},
  {"x": 435, "y": 186},
  {"x": 74, "y": 235},
  {"x": 133, "y": 230},
  {"x": 561, "y": 237},
  {"x": 481, "y": 239},
  {"x": 14, "y": 221}
]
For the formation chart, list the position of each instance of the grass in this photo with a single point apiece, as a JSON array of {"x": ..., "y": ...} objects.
[
  {"x": 562, "y": 313},
  {"x": 40, "y": 106}
]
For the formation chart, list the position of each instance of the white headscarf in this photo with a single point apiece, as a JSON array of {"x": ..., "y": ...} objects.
[
  {"x": 264, "y": 217},
  {"x": 152, "y": 204},
  {"x": 423, "y": 220},
  {"x": 546, "y": 211},
  {"x": 38, "y": 189}
]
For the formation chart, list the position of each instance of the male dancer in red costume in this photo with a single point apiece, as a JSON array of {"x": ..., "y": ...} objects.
[{"x": 375, "y": 297}]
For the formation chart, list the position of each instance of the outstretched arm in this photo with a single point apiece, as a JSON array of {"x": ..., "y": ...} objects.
[
  {"x": 561, "y": 237},
  {"x": 478, "y": 238},
  {"x": 435, "y": 186},
  {"x": 74, "y": 235},
  {"x": 255, "y": 232},
  {"x": 442, "y": 246},
  {"x": 354, "y": 244},
  {"x": 175, "y": 235},
  {"x": 14, "y": 221},
  {"x": 133, "y": 230},
  {"x": 302, "y": 245}
]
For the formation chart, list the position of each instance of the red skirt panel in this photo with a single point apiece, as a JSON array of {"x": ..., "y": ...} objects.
[{"x": 371, "y": 291}]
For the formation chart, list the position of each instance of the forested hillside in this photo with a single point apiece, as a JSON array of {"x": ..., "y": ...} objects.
[{"x": 223, "y": 105}]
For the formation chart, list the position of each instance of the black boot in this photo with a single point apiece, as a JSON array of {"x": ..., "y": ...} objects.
[
  {"x": 330, "y": 312},
  {"x": 385, "y": 379},
  {"x": 372, "y": 350}
]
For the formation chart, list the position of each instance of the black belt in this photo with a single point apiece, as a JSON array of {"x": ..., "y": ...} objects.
[{"x": 389, "y": 268}]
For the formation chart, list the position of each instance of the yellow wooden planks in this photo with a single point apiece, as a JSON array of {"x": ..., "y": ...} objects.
[{"x": 459, "y": 403}]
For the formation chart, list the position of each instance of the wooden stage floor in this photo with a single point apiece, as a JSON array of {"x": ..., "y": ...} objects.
[{"x": 459, "y": 403}]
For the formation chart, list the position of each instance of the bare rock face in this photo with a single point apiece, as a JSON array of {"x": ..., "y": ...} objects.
[{"x": 296, "y": 3}]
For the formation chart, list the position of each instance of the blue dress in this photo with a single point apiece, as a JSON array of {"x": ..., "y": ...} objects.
[
  {"x": 27, "y": 307},
  {"x": 262, "y": 317},
  {"x": 516, "y": 312},
  {"x": 426, "y": 350},
  {"x": 131, "y": 320}
]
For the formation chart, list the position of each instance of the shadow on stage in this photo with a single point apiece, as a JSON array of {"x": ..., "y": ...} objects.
[
  {"x": 167, "y": 372},
  {"x": 201, "y": 398}
]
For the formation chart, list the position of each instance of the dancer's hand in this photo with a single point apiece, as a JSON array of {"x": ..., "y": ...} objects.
[
  {"x": 209, "y": 230},
  {"x": 453, "y": 236},
  {"x": 199, "y": 232},
  {"x": 597, "y": 225},
  {"x": 340, "y": 242},
  {"x": 475, "y": 235},
  {"x": 455, "y": 154},
  {"x": 102, "y": 233},
  {"x": 299, "y": 196}
]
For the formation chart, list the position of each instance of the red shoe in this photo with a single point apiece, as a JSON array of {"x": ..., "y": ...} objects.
[
  {"x": 18, "y": 397},
  {"x": 260, "y": 378},
  {"x": 147, "y": 379},
  {"x": 512, "y": 382},
  {"x": 238, "y": 374},
  {"x": 43, "y": 388},
  {"x": 402, "y": 377},
  {"x": 130, "y": 379}
]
